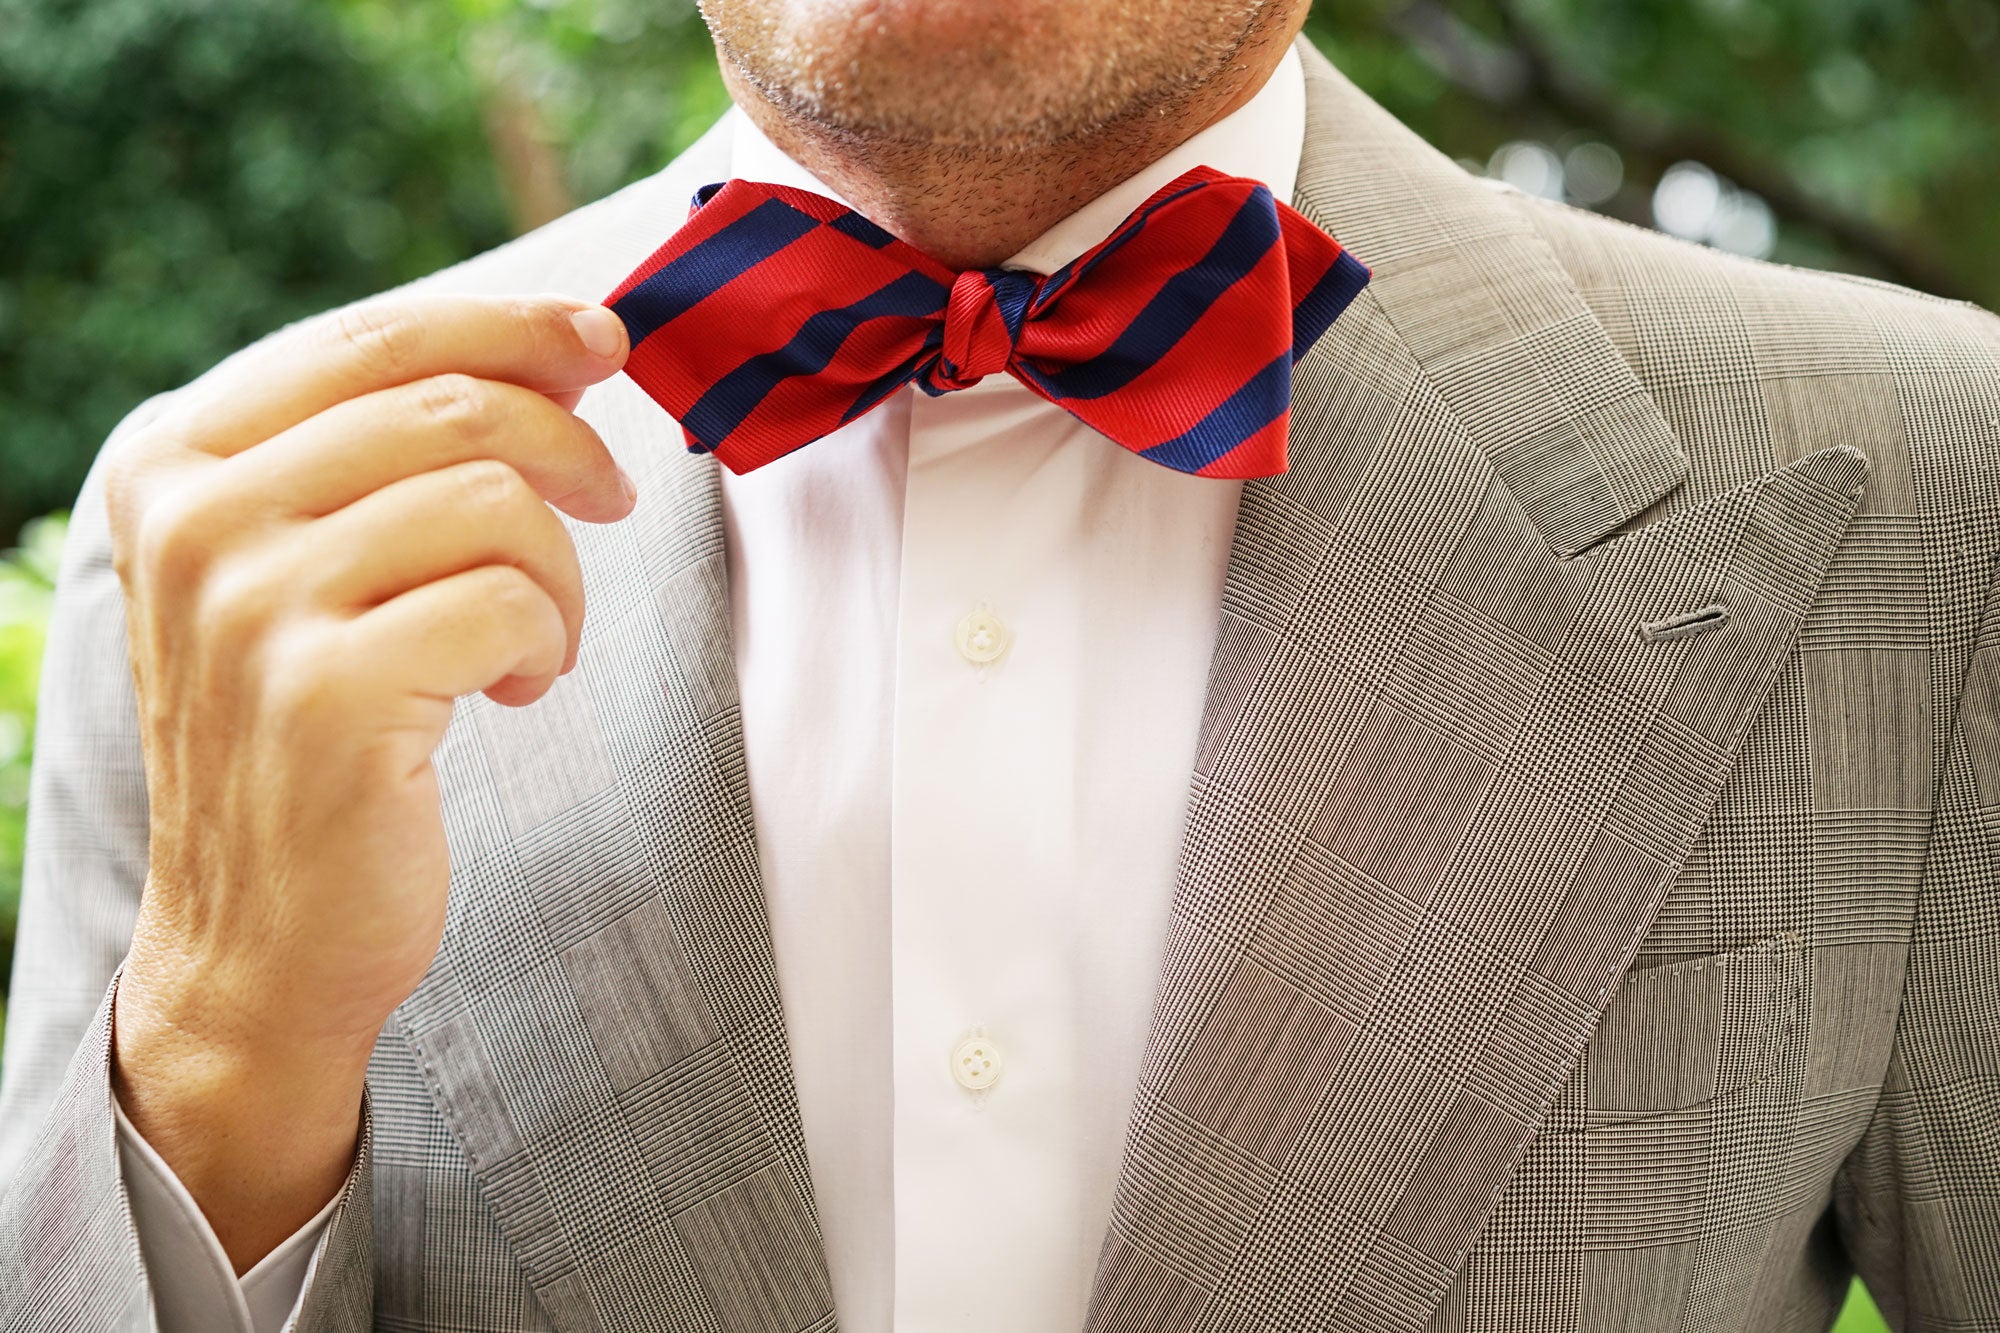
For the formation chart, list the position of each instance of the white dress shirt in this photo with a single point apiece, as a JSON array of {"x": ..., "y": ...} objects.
[{"x": 972, "y": 638}]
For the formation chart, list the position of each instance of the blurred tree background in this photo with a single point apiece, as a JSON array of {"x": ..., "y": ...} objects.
[{"x": 178, "y": 177}]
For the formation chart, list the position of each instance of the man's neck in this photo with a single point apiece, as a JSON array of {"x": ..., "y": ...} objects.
[{"x": 971, "y": 206}]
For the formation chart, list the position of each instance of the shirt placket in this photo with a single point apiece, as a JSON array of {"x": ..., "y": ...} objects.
[{"x": 980, "y": 848}]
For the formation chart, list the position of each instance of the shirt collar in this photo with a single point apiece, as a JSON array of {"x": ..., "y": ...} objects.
[{"x": 1261, "y": 140}]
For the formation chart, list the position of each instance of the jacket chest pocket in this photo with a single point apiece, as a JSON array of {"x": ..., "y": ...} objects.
[{"x": 1694, "y": 1031}]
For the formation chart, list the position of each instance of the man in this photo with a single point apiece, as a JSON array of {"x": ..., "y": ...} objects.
[{"x": 1580, "y": 915}]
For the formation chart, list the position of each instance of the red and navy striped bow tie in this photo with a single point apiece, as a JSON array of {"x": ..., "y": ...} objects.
[{"x": 775, "y": 316}]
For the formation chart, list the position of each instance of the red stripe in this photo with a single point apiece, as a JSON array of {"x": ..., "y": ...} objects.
[
  {"x": 725, "y": 208},
  {"x": 1311, "y": 254},
  {"x": 1095, "y": 310},
  {"x": 821, "y": 270},
  {"x": 1262, "y": 455},
  {"x": 679, "y": 362},
  {"x": 812, "y": 405},
  {"x": 1232, "y": 341},
  {"x": 1128, "y": 231},
  {"x": 904, "y": 255}
]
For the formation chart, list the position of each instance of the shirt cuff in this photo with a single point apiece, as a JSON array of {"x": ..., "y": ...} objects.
[{"x": 195, "y": 1288}]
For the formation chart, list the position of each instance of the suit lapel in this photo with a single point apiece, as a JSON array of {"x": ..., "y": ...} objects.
[
  {"x": 1444, "y": 777},
  {"x": 601, "y": 1029}
]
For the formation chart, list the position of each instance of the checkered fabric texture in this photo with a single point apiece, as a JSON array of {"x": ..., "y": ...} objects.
[{"x": 1528, "y": 971}]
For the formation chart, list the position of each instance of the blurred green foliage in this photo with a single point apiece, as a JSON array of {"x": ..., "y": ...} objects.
[
  {"x": 178, "y": 177},
  {"x": 1871, "y": 126},
  {"x": 1860, "y": 1314}
]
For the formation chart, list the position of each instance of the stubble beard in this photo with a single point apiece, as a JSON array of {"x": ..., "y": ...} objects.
[{"x": 1023, "y": 77}]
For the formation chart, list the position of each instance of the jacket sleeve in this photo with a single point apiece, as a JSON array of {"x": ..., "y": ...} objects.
[
  {"x": 70, "y": 1259},
  {"x": 1918, "y": 1201}
]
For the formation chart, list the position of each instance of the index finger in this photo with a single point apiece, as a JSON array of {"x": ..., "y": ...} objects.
[{"x": 551, "y": 344}]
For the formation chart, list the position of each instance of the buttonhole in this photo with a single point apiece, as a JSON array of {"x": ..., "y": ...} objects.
[{"x": 1680, "y": 625}]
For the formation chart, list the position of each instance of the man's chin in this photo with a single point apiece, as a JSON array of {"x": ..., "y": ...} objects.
[
  {"x": 925, "y": 71},
  {"x": 967, "y": 73}
]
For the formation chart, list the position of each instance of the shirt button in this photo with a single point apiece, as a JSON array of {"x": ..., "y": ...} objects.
[
  {"x": 975, "y": 1063},
  {"x": 982, "y": 638}
]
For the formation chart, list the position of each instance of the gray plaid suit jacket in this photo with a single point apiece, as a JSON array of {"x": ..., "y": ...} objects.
[{"x": 1588, "y": 916}]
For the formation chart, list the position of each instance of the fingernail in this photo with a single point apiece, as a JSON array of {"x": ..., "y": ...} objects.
[
  {"x": 600, "y": 331},
  {"x": 631, "y": 486}
]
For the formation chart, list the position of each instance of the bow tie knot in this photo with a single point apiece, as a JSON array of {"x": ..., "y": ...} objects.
[
  {"x": 776, "y": 316},
  {"x": 982, "y": 323}
]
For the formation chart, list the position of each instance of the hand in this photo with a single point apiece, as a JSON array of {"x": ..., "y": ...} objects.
[{"x": 345, "y": 530}]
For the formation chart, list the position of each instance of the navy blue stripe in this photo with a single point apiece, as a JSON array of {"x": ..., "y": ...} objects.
[
  {"x": 1012, "y": 290},
  {"x": 1322, "y": 305},
  {"x": 1251, "y": 408},
  {"x": 1181, "y": 301},
  {"x": 861, "y": 229},
  {"x": 1056, "y": 281},
  {"x": 896, "y": 378},
  {"x": 711, "y": 265},
  {"x": 731, "y": 399}
]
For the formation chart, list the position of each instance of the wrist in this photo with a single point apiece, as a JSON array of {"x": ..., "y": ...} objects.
[
  {"x": 208, "y": 1020},
  {"x": 261, "y": 1128}
]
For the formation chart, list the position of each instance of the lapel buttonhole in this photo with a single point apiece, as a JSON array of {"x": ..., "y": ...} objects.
[{"x": 1684, "y": 623}]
